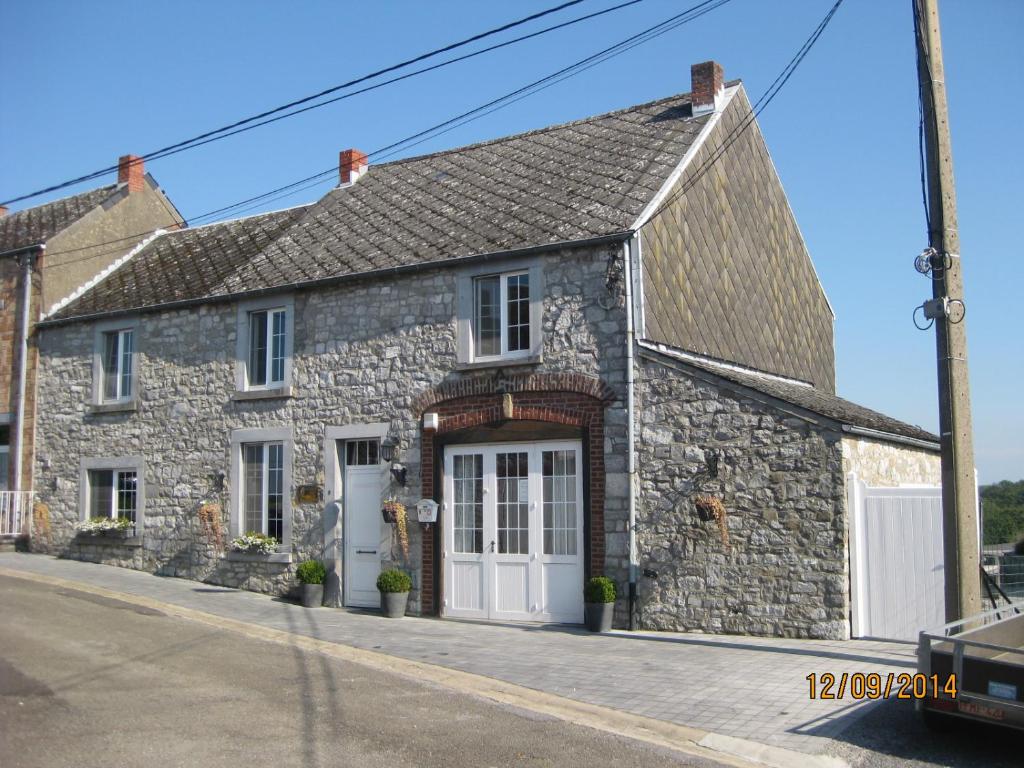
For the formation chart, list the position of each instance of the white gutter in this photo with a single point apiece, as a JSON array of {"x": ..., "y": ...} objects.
[
  {"x": 26, "y": 300},
  {"x": 627, "y": 257}
]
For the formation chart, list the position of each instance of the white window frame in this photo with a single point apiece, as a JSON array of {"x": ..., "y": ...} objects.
[
  {"x": 270, "y": 305},
  {"x": 117, "y": 465},
  {"x": 466, "y": 320},
  {"x": 241, "y": 438},
  {"x": 99, "y": 374}
]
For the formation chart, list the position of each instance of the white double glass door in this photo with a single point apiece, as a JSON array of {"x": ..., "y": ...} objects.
[{"x": 513, "y": 532}]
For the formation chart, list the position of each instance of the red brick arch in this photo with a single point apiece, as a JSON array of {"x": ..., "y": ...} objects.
[{"x": 567, "y": 399}]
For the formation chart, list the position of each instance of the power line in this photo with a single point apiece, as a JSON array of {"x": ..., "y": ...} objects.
[
  {"x": 650, "y": 33},
  {"x": 758, "y": 107},
  {"x": 184, "y": 144}
]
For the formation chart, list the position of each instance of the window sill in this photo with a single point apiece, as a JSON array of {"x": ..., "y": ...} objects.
[
  {"x": 504, "y": 362},
  {"x": 262, "y": 394},
  {"x": 284, "y": 558},
  {"x": 126, "y": 406},
  {"x": 109, "y": 539}
]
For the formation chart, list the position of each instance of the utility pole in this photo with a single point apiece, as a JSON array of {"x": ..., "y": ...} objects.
[{"x": 959, "y": 492}]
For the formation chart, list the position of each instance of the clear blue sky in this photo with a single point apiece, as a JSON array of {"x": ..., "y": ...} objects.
[{"x": 86, "y": 82}]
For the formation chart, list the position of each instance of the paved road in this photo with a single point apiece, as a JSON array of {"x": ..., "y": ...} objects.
[{"x": 87, "y": 680}]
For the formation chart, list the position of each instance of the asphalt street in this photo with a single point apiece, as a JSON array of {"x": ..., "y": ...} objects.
[{"x": 87, "y": 680}]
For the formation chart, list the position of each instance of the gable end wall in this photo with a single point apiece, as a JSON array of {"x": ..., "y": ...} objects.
[{"x": 725, "y": 270}]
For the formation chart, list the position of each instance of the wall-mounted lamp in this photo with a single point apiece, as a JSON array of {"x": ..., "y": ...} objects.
[
  {"x": 399, "y": 472},
  {"x": 387, "y": 449}
]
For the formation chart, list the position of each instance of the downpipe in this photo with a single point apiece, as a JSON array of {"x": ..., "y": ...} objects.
[
  {"x": 26, "y": 300},
  {"x": 627, "y": 258}
]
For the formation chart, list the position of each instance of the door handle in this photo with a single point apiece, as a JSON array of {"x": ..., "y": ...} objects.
[
  {"x": 366, "y": 551},
  {"x": 492, "y": 545}
]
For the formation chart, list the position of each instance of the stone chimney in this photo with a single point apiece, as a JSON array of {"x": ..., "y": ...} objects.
[
  {"x": 706, "y": 87},
  {"x": 131, "y": 171},
  {"x": 351, "y": 165}
]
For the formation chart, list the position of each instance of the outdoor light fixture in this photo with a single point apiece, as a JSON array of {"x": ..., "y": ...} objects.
[{"x": 387, "y": 449}]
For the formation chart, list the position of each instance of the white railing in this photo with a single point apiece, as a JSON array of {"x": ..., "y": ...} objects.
[{"x": 15, "y": 506}]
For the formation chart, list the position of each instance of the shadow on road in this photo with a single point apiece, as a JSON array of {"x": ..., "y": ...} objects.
[{"x": 893, "y": 734}]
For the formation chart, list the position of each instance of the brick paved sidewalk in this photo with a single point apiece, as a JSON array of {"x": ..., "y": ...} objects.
[{"x": 750, "y": 688}]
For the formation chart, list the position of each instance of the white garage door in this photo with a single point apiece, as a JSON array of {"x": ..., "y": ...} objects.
[
  {"x": 896, "y": 558},
  {"x": 513, "y": 532}
]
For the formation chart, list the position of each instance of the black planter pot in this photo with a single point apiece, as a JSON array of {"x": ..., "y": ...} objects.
[
  {"x": 387, "y": 515},
  {"x": 312, "y": 595},
  {"x": 392, "y": 604},
  {"x": 599, "y": 616}
]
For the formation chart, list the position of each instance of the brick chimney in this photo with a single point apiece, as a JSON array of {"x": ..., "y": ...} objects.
[
  {"x": 3, "y": 211},
  {"x": 351, "y": 165},
  {"x": 706, "y": 87},
  {"x": 130, "y": 171}
]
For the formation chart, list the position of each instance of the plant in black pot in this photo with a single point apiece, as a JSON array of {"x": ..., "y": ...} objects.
[
  {"x": 311, "y": 574},
  {"x": 599, "y": 603},
  {"x": 394, "y": 586}
]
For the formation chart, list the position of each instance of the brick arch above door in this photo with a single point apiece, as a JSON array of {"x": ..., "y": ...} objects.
[{"x": 567, "y": 399}]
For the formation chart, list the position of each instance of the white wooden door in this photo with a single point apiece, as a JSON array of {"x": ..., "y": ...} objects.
[
  {"x": 513, "y": 532},
  {"x": 897, "y": 564},
  {"x": 363, "y": 534}
]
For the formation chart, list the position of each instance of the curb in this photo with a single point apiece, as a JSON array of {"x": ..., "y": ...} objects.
[{"x": 729, "y": 750}]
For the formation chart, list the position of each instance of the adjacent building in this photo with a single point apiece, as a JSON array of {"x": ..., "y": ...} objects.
[{"x": 46, "y": 252}]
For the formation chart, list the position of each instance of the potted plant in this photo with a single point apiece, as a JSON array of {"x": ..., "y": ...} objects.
[
  {"x": 599, "y": 603},
  {"x": 391, "y": 510},
  {"x": 310, "y": 574},
  {"x": 394, "y": 586}
]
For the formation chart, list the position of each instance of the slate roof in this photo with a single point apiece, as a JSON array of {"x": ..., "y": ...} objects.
[
  {"x": 575, "y": 181},
  {"x": 39, "y": 224},
  {"x": 181, "y": 265},
  {"x": 805, "y": 396}
]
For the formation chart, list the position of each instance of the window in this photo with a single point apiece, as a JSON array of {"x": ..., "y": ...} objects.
[
  {"x": 113, "y": 487},
  {"x": 264, "y": 346},
  {"x": 262, "y": 485},
  {"x": 361, "y": 453},
  {"x": 559, "y": 473},
  {"x": 113, "y": 493},
  {"x": 263, "y": 493},
  {"x": 499, "y": 315},
  {"x": 118, "y": 377},
  {"x": 115, "y": 366}
]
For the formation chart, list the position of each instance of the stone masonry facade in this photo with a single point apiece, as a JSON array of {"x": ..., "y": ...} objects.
[
  {"x": 364, "y": 352},
  {"x": 781, "y": 569}
]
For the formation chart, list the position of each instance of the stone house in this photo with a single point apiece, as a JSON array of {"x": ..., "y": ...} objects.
[
  {"x": 562, "y": 338},
  {"x": 46, "y": 252}
]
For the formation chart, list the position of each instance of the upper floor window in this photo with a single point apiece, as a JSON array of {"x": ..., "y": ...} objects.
[
  {"x": 118, "y": 368},
  {"x": 267, "y": 330},
  {"x": 500, "y": 314},
  {"x": 115, "y": 379},
  {"x": 265, "y": 333}
]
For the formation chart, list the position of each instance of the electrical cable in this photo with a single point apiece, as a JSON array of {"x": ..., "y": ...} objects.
[
  {"x": 209, "y": 136},
  {"x": 758, "y": 107},
  {"x": 581, "y": 65}
]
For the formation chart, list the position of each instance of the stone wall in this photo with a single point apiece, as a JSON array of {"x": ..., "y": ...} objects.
[
  {"x": 364, "y": 351},
  {"x": 888, "y": 465},
  {"x": 783, "y": 571}
]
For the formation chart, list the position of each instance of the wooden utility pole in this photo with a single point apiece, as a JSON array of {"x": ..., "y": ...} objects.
[{"x": 959, "y": 492}]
